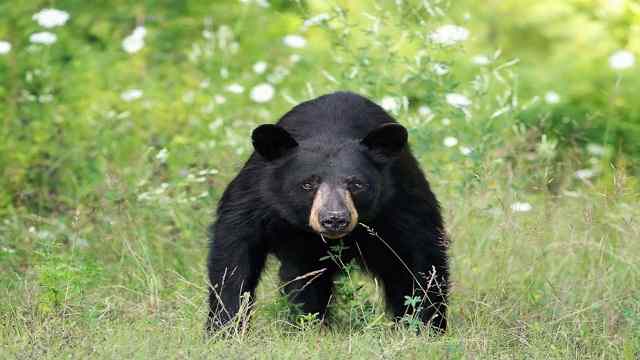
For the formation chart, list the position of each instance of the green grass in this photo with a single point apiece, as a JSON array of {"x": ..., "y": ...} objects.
[
  {"x": 560, "y": 281},
  {"x": 104, "y": 203}
]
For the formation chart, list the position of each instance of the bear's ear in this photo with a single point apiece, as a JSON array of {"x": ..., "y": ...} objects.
[
  {"x": 388, "y": 139},
  {"x": 272, "y": 141}
]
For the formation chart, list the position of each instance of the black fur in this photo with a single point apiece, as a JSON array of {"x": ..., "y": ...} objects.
[{"x": 263, "y": 211}]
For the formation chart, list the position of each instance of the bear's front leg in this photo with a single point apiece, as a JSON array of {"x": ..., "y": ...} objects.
[
  {"x": 424, "y": 297},
  {"x": 413, "y": 266},
  {"x": 308, "y": 285},
  {"x": 236, "y": 260}
]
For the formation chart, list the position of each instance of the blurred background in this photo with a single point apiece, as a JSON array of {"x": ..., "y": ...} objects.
[
  {"x": 122, "y": 122},
  {"x": 112, "y": 80}
]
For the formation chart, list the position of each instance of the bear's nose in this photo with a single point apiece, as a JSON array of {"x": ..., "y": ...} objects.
[{"x": 335, "y": 220}]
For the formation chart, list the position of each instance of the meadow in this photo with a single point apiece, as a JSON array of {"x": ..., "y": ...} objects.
[{"x": 122, "y": 124}]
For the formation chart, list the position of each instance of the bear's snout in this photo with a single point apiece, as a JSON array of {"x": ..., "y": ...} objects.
[
  {"x": 333, "y": 213},
  {"x": 335, "y": 221}
]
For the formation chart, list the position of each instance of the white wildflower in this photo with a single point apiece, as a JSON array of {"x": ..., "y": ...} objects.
[
  {"x": 261, "y": 3},
  {"x": 188, "y": 97},
  {"x": 446, "y": 121},
  {"x": 424, "y": 110},
  {"x": 458, "y": 100},
  {"x": 207, "y": 34},
  {"x": 521, "y": 207},
  {"x": 480, "y": 60},
  {"x": 235, "y": 88},
  {"x": 465, "y": 150},
  {"x": 44, "y": 38},
  {"x": 390, "y": 104},
  {"x": 131, "y": 95},
  {"x": 572, "y": 194},
  {"x": 262, "y": 93},
  {"x": 260, "y": 67},
  {"x": 294, "y": 41},
  {"x": 215, "y": 125},
  {"x": 45, "y": 98},
  {"x": 622, "y": 60},
  {"x": 135, "y": 41},
  {"x": 162, "y": 155},
  {"x": 449, "y": 35},
  {"x": 440, "y": 69},
  {"x": 219, "y": 99},
  {"x": 500, "y": 111},
  {"x": 7, "y": 250},
  {"x": 132, "y": 44},
  {"x": 551, "y": 97},
  {"x": 596, "y": 149},
  {"x": 585, "y": 174},
  {"x": 450, "y": 141},
  {"x": 207, "y": 172},
  {"x": 139, "y": 31},
  {"x": 5, "y": 47},
  {"x": 45, "y": 235},
  {"x": 315, "y": 20},
  {"x": 50, "y": 18},
  {"x": 278, "y": 74},
  {"x": 294, "y": 58}
]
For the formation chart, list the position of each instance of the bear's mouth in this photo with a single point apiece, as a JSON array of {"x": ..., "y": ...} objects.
[{"x": 334, "y": 234}]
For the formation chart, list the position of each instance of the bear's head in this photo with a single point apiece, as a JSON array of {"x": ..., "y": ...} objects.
[{"x": 328, "y": 184}]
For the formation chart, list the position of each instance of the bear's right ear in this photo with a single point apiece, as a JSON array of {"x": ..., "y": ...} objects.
[
  {"x": 387, "y": 139},
  {"x": 272, "y": 141}
]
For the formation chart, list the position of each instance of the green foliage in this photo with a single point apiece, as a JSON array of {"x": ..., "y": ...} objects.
[
  {"x": 62, "y": 278},
  {"x": 566, "y": 48},
  {"x": 353, "y": 302}
]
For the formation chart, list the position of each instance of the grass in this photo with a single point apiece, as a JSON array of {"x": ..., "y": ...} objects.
[{"x": 559, "y": 281}]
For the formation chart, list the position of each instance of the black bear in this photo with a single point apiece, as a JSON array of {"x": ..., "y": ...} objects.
[{"x": 335, "y": 168}]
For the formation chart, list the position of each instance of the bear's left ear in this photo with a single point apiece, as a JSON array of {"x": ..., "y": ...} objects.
[
  {"x": 388, "y": 139},
  {"x": 272, "y": 141}
]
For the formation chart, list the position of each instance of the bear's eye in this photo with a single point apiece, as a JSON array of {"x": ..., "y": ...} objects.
[
  {"x": 356, "y": 185},
  {"x": 308, "y": 186}
]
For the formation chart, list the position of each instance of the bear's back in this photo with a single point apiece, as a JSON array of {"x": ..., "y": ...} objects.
[{"x": 338, "y": 115}]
